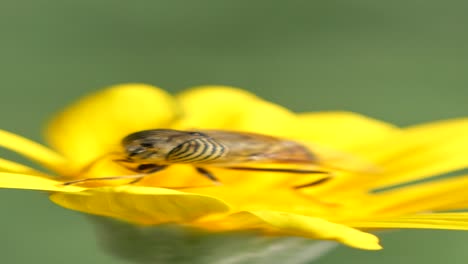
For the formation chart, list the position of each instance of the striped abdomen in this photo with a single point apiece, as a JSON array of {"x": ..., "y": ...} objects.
[{"x": 199, "y": 150}]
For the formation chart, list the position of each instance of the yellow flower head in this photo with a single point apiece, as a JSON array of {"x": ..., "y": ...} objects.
[{"x": 373, "y": 172}]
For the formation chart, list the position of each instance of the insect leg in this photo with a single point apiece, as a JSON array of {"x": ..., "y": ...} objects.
[
  {"x": 280, "y": 170},
  {"x": 310, "y": 184},
  {"x": 314, "y": 183},
  {"x": 207, "y": 174},
  {"x": 155, "y": 169}
]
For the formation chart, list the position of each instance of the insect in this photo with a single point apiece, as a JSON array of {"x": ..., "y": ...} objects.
[{"x": 150, "y": 151}]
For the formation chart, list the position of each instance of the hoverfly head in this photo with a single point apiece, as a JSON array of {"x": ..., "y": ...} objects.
[{"x": 153, "y": 145}]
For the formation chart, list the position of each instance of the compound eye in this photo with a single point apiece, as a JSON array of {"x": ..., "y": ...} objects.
[
  {"x": 196, "y": 134},
  {"x": 146, "y": 145},
  {"x": 143, "y": 167}
]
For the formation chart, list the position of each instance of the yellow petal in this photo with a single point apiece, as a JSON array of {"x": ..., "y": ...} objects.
[
  {"x": 96, "y": 124},
  {"x": 224, "y": 107},
  {"x": 30, "y": 182},
  {"x": 343, "y": 130},
  {"x": 428, "y": 196},
  {"x": 10, "y": 166},
  {"x": 416, "y": 153},
  {"x": 298, "y": 225},
  {"x": 221, "y": 107},
  {"x": 32, "y": 150},
  {"x": 142, "y": 205},
  {"x": 422, "y": 151},
  {"x": 450, "y": 221}
]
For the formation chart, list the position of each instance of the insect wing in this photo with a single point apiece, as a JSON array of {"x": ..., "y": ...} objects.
[
  {"x": 244, "y": 147},
  {"x": 333, "y": 159}
]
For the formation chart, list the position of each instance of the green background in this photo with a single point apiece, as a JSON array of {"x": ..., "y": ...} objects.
[{"x": 401, "y": 61}]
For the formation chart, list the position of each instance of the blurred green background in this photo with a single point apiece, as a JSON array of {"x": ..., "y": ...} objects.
[{"x": 401, "y": 61}]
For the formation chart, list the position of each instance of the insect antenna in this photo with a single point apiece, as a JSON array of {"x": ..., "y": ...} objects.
[
  {"x": 94, "y": 162},
  {"x": 137, "y": 177}
]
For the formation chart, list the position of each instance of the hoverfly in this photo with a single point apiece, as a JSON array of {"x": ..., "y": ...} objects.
[{"x": 150, "y": 151}]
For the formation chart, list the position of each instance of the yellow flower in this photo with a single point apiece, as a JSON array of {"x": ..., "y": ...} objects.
[{"x": 345, "y": 208}]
